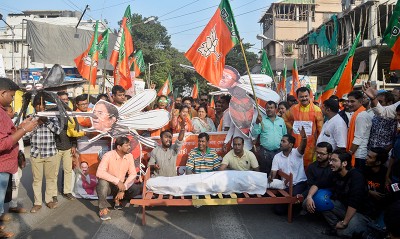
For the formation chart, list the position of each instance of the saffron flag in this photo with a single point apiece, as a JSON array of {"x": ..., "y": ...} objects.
[
  {"x": 281, "y": 89},
  {"x": 341, "y": 81},
  {"x": 265, "y": 65},
  {"x": 118, "y": 44},
  {"x": 195, "y": 90},
  {"x": 295, "y": 79},
  {"x": 87, "y": 62},
  {"x": 138, "y": 65},
  {"x": 166, "y": 88},
  {"x": 391, "y": 37},
  {"x": 208, "y": 52},
  {"x": 212, "y": 102},
  {"x": 122, "y": 74}
]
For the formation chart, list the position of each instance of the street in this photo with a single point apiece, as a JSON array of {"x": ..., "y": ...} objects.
[{"x": 78, "y": 219}]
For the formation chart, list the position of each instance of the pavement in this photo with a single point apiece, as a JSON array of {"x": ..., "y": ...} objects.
[{"x": 79, "y": 219}]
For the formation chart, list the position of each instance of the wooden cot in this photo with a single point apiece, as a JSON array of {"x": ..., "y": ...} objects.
[{"x": 271, "y": 196}]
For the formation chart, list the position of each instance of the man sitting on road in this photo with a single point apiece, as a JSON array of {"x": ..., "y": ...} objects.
[
  {"x": 239, "y": 158},
  {"x": 202, "y": 159},
  {"x": 349, "y": 198},
  {"x": 318, "y": 173},
  {"x": 163, "y": 158},
  {"x": 111, "y": 173}
]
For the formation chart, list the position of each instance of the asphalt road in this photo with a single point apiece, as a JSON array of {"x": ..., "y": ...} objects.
[{"x": 78, "y": 219}]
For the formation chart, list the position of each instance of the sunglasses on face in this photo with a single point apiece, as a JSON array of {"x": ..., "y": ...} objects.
[{"x": 163, "y": 101}]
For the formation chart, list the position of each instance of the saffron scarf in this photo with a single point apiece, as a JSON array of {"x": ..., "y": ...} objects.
[{"x": 350, "y": 134}]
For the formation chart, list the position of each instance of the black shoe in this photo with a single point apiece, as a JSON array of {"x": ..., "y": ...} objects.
[
  {"x": 69, "y": 196},
  {"x": 55, "y": 199},
  {"x": 329, "y": 232}
]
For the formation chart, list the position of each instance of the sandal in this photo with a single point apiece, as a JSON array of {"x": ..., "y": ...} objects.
[
  {"x": 104, "y": 214},
  {"x": 5, "y": 217}
]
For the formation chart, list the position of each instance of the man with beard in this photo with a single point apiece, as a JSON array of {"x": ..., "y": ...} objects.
[
  {"x": 349, "y": 197},
  {"x": 202, "y": 159},
  {"x": 163, "y": 158},
  {"x": 305, "y": 113},
  {"x": 319, "y": 174},
  {"x": 271, "y": 132},
  {"x": 113, "y": 168},
  {"x": 239, "y": 158},
  {"x": 345, "y": 113}
]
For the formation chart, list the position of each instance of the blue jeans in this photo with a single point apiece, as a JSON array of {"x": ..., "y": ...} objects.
[{"x": 4, "y": 177}]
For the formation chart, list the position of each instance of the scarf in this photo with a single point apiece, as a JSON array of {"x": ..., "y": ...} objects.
[{"x": 350, "y": 134}]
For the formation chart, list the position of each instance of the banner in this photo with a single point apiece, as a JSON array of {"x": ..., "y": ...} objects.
[{"x": 189, "y": 142}]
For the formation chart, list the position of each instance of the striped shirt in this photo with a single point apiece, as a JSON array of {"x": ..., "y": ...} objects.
[
  {"x": 43, "y": 142},
  {"x": 199, "y": 163}
]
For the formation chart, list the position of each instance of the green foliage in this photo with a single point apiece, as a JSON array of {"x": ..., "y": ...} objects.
[
  {"x": 153, "y": 39},
  {"x": 235, "y": 58}
]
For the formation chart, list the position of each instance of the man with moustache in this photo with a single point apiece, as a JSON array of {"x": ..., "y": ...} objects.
[
  {"x": 239, "y": 158},
  {"x": 271, "y": 130},
  {"x": 202, "y": 159},
  {"x": 305, "y": 113},
  {"x": 112, "y": 171},
  {"x": 349, "y": 198},
  {"x": 163, "y": 158},
  {"x": 118, "y": 95}
]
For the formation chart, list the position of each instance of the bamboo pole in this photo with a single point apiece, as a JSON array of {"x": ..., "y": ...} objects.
[{"x": 104, "y": 76}]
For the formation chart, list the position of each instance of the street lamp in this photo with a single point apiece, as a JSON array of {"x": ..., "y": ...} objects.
[
  {"x": 13, "y": 47},
  {"x": 282, "y": 43},
  {"x": 152, "y": 64}
]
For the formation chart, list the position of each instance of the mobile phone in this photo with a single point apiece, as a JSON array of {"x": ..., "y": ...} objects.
[{"x": 395, "y": 187}]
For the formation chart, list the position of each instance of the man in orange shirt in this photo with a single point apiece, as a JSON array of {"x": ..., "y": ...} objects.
[{"x": 111, "y": 172}]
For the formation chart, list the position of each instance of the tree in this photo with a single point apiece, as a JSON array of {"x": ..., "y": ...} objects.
[{"x": 236, "y": 60}]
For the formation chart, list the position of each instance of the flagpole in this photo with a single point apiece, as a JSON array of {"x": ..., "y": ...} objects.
[
  {"x": 373, "y": 66},
  {"x": 248, "y": 72},
  {"x": 90, "y": 77},
  {"x": 104, "y": 76}
]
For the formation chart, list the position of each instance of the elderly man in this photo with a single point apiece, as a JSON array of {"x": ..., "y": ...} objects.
[
  {"x": 202, "y": 159},
  {"x": 9, "y": 136},
  {"x": 105, "y": 115},
  {"x": 305, "y": 113},
  {"x": 113, "y": 168},
  {"x": 239, "y": 158}
]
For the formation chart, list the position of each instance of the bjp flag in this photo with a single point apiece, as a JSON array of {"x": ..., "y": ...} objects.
[{"x": 208, "y": 52}]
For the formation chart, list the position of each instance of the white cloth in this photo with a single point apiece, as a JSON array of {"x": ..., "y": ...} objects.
[
  {"x": 361, "y": 133},
  {"x": 386, "y": 111},
  {"x": 224, "y": 182},
  {"x": 334, "y": 132},
  {"x": 291, "y": 164}
]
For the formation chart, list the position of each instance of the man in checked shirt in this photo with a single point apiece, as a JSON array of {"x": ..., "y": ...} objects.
[{"x": 43, "y": 157}]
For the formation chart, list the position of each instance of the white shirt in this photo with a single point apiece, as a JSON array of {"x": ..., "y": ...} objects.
[
  {"x": 226, "y": 122},
  {"x": 291, "y": 164},
  {"x": 361, "y": 133},
  {"x": 334, "y": 131}
]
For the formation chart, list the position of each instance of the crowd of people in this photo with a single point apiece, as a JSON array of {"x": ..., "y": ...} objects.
[{"x": 348, "y": 148}]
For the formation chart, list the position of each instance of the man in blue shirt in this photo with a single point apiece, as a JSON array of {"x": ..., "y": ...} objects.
[{"x": 271, "y": 132}]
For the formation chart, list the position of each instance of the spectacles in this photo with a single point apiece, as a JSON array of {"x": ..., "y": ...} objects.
[{"x": 320, "y": 153}]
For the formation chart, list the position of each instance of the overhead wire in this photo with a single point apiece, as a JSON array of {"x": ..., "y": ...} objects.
[{"x": 179, "y": 8}]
